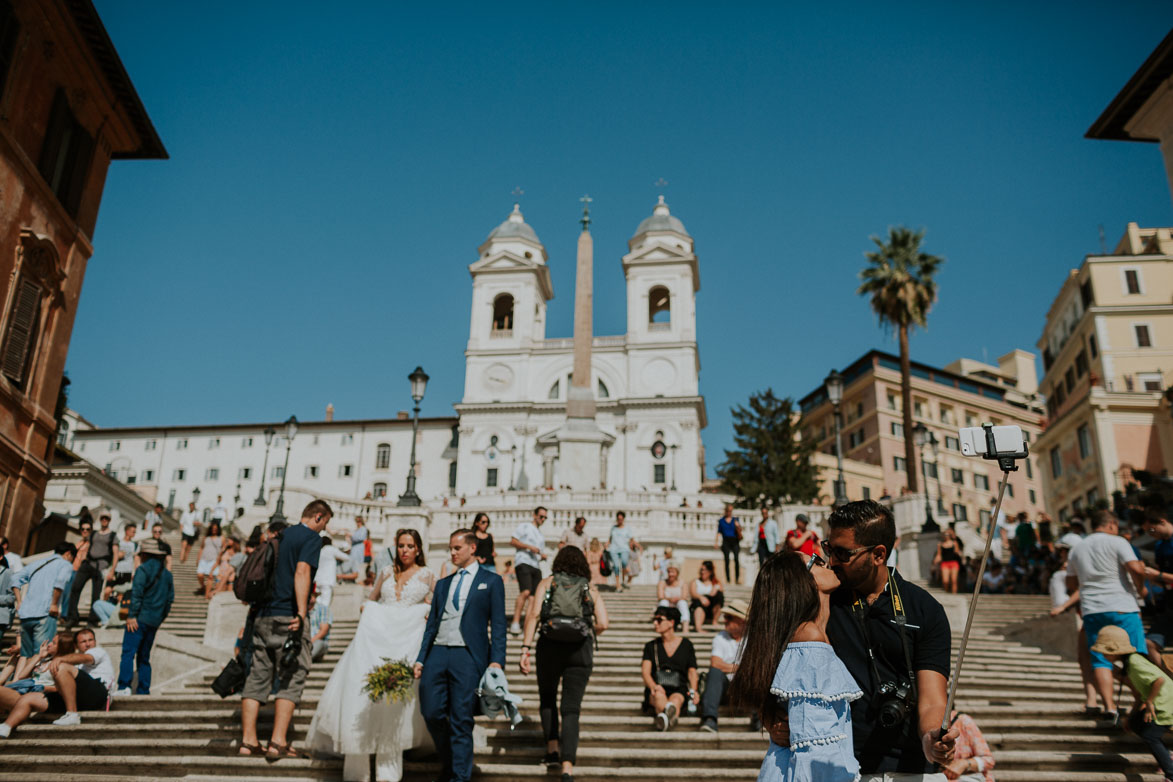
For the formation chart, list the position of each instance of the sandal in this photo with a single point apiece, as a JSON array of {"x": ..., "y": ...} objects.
[
  {"x": 250, "y": 750},
  {"x": 277, "y": 751}
]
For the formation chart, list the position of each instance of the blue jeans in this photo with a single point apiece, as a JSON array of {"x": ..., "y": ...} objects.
[
  {"x": 1130, "y": 623},
  {"x": 34, "y": 632},
  {"x": 137, "y": 645}
]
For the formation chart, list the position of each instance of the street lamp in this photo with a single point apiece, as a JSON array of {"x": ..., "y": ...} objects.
[
  {"x": 834, "y": 386},
  {"x": 922, "y": 434},
  {"x": 195, "y": 496},
  {"x": 937, "y": 463},
  {"x": 290, "y": 433},
  {"x": 269, "y": 433},
  {"x": 419, "y": 383},
  {"x": 512, "y": 462},
  {"x": 673, "y": 467}
]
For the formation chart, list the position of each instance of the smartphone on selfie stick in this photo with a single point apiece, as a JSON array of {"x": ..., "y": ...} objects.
[{"x": 1005, "y": 445}]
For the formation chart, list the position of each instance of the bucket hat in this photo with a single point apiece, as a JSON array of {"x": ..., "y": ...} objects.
[{"x": 1113, "y": 640}]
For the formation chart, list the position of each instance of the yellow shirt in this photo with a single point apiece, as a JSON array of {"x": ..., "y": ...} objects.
[{"x": 1143, "y": 674}]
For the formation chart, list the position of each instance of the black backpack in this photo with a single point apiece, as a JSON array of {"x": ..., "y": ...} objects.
[
  {"x": 568, "y": 613},
  {"x": 254, "y": 582}
]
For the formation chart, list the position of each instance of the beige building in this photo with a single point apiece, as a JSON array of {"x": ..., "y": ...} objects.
[
  {"x": 1143, "y": 111},
  {"x": 966, "y": 393},
  {"x": 1107, "y": 357}
]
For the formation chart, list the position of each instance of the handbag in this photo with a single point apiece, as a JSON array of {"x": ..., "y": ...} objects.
[
  {"x": 669, "y": 680},
  {"x": 231, "y": 679}
]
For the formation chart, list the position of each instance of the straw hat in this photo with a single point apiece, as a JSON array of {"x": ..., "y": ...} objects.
[
  {"x": 736, "y": 608},
  {"x": 1113, "y": 640}
]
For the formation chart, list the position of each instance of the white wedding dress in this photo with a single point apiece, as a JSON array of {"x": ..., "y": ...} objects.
[{"x": 346, "y": 721}]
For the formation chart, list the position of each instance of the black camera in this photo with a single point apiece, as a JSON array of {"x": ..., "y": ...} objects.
[
  {"x": 894, "y": 702},
  {"x": 287, "y": 664}
]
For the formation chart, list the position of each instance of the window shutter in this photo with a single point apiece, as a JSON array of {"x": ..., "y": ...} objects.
[{"x": 22, "y": 326}]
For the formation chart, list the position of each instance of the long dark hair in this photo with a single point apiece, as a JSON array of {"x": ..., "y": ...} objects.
[
  {"x": 784, "y": 596},
  {"x": 571, "y": 560},
  {"x": 419, "y": 548},
  {"x": 213, "y": 525}
]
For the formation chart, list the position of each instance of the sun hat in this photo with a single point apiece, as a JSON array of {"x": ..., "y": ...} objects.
[
  {"x": 1113, "y": 640},
  {"x": 737, "y": 608}
]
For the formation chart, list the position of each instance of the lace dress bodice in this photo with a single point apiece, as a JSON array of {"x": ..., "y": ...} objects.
[{"x": 417, "y": 589}]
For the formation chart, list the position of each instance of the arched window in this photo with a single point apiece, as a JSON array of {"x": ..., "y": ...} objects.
[
  {"x": 382, "y": 456},
  {"x": 379, "y": 491},
  {"x": 659, "y": 306},
  {"x": 555, "y": 390},
  {"x": 503, "y": 316},
  {"x": 603, "y": 392},
  {"x": 38, "y": 273}
]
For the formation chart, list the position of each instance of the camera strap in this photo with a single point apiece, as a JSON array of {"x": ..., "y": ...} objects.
[{"x": 859, "y": 610}]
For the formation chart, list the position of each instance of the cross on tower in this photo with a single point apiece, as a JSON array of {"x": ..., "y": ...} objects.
[
  {"x": 586, "y": 211},
  {"x": 517, "y": 193},
  {"x": 661, "y": 183}
]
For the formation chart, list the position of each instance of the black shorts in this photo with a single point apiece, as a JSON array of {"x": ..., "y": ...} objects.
[
  {"x": 91, "y": 695},
  {"x": 191, "y": 538},
  {"x": 120, "y": 578},
  {"x": 528, "y": 577}
]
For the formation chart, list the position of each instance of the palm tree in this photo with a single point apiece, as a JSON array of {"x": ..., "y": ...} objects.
[{"x": 899, "y": 280}]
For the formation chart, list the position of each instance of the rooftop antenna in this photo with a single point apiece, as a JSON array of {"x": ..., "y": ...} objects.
[{"x": 1103, "y": 244}]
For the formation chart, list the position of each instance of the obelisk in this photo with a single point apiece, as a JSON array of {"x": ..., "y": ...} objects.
[{"x": 580, "y": 441}]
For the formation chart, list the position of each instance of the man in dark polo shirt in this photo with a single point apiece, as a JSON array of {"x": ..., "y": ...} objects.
[{"x": 864, "y": 615}]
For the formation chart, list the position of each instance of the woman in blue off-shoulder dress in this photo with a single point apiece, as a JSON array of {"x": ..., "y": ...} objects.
[{"x": 799, "y": 678}]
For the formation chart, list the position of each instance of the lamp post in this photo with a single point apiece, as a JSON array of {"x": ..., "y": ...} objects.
[
  {"x": 921, "y": 433},
  {"x": 290, "y": 433},
  {"x": 834, "y": 386},
  {"x": 673, "y": 467},
  {"x": 419, "y": 384},
  {"x": 269, "y": 432},
  {"x": 937, "y": 463},
  {"x": 195, "y": 496}
]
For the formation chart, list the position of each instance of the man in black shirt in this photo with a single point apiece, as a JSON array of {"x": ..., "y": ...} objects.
[{"x": 865, "y": 612}]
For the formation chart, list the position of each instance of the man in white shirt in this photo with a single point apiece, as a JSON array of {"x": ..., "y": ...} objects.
[
  {"x": 220, "y": 510},
  {"x": 189, "y": 524},
  {"x": 527, "y": 563},
  {"x": 726, "y": 656},
  {"x": 1073, "y": 536},
  {"x": 1105, "y": 570},
  {"x": 1003, "y": 532},
  {"x": 83, "y": 679},
  {"x": 327, "y": 576}
]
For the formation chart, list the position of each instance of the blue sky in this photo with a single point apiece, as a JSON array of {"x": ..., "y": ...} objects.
[{"x": 333, "y": 170}]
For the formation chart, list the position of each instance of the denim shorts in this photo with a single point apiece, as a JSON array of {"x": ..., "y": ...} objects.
[
  {"x": 1130, "y": 623},
  {"x": 621, "y": 557},
  {"x": 34, "y": 632}
]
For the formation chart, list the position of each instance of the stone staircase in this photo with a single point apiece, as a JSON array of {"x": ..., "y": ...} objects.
[{"x": 1025, "y": 701}]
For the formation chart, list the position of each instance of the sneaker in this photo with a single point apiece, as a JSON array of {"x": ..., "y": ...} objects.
[
  {"x": 67, "y": 719},
  {"x": 551, "y": 760},
  {"x": 5, "y": 730},
  {"x": 1109, "y": 721},
  {"x": 661, "y": 721},
  {"x": 670, "y": 710},
  {"x": 709, "y": 725},
  {"x": 123, "y": 693},
  {"x": 515, "y": 629}
]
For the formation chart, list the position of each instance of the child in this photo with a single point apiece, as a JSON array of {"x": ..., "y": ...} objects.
[
  {"x": 801, "y": 678},
  {"x": 1147, "y": 681}
]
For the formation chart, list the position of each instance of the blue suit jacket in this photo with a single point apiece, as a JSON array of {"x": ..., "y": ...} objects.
[{"x": 485, "y": 610}]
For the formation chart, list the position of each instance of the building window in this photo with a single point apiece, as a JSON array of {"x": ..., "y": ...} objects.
[
  {"x": 856, "y": 438},
  {"x": 960, "y": 512},
  {"x": 345, "y": 470},
  {"x": 278, "y": 472},
  {"x": 1030, "y": 473},
  {"x": 957, "y": 476},
  {"x": 379, "y": 491},
  {"x": 316, "y": 439},
  {"x": 1056, "y": 463},
  {"x": 24, "y": 321},
  {"x": 9, "y": 32},
  {"x": 930, "y": 469},
  {"x": 1132, "y": 281},
  {"x": 952, "y": 443},
  {"x": 181, "y": 444},
  {"x": 66, "y": 154},
  {"x": 603, "y": 391},
  {"x": 382, "y": 456},
  {"x": 1085, "y": 441},
  {"x": 491, "y": 477},
  {"x": 1143, "y": 338},
  {"x": 212, "y": 474},
  {"x": 1085, "y": 293},
  {"x": 502, "y": 316},
  {"x": 1150, "y": 381},
  {"x": 659, "y": 306},
  {"x": 981, "y": 482},
  {"x": 970, "y": 419},
  {"x": 946, "y": 414},
  {"x": 148, "y": 476},
  {"x": 867, "y": 493},
  {"x": 115, "y": 445},
  {"x": 1091, "y": 345},
  {"x": 555, "y": 390},
  {"x": 348, "y": 439},
  {"x": 311, "y": 471},
  {"x": 984, "y": 518},
  {"x": 151, "y": 445},
  {"x": 213, "y": 442},
  {"x": 1069, "y": 379},
  {"x": 899, "y": 464},
  {"x": 898, "y": 430},
  {"x": 1080, "y": 364},
  {"x": 919, "y": 406},
  {"x": 1010, "y": 489},
  {"x": 179, "y": 475},
  {"x": 658, "y": 473},
  {"x": 891, "y": 401},
  {"x": 1093, "y": 497},
  {"x": 452, "y": 476},
  {"x": 246, "y": 442},
  {"x": 244, "y": 473},
  {"x": 1031, "y": 494}
]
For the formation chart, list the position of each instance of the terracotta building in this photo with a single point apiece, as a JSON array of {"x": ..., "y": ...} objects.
[
  {"x": 965, "y": 393},
  {"x": 1107, "y": 356},
  {"x": 67, "y": 108}
]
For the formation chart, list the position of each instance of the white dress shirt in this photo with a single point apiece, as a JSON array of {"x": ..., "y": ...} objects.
[{"x": 448, "y": 633}]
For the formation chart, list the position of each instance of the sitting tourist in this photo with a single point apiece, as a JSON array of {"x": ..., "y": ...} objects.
[
  {"x": 223, "y": 574},
  {"x": 60, "y": 682},
  {"x": 668, "y": 670},
  {"x": 972, "y": 758},
  {"x": 723, "y": 661},
  {"x": 320, "y": 620},
  {"x": 706, "y": 594},
  {"x": 670, "y": 591}
]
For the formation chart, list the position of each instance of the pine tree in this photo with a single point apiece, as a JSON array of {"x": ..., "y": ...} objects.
[{"x": 771, "y": 464}]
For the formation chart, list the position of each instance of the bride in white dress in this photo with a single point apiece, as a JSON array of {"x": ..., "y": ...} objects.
[{"x": 392, "y": 625}]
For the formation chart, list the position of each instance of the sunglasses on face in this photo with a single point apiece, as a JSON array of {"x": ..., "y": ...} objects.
[
  {"x": 840, "y": 554},
  {"x": 658, "y": 619},
  {"x": 815, "y": 560}
]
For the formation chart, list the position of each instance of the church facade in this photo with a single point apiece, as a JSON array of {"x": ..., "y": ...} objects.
[{"x": 648, "y": 407}]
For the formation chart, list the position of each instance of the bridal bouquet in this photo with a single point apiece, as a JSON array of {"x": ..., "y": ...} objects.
[{"x": 391, "y": 680}]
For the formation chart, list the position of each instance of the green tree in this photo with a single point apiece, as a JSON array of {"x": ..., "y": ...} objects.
[
  {"x": 899, "y": 280},
  {"x": 771, "y": 464}
]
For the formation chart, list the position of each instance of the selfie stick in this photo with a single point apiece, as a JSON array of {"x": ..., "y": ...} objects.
[{"x": 1006, "y": 462}]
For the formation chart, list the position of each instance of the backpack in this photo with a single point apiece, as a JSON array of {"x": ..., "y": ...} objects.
[
  {"x": 254, "y": 582},
  {"x": 568, "y": 613}
]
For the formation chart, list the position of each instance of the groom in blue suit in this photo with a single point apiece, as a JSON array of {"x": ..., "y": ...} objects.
[{"x": 456, "y": 650}]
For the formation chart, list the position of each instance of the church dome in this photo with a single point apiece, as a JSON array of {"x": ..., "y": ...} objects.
[
  {"x": 661, "y": 220},
  {"x": 515, "y": 227}
]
